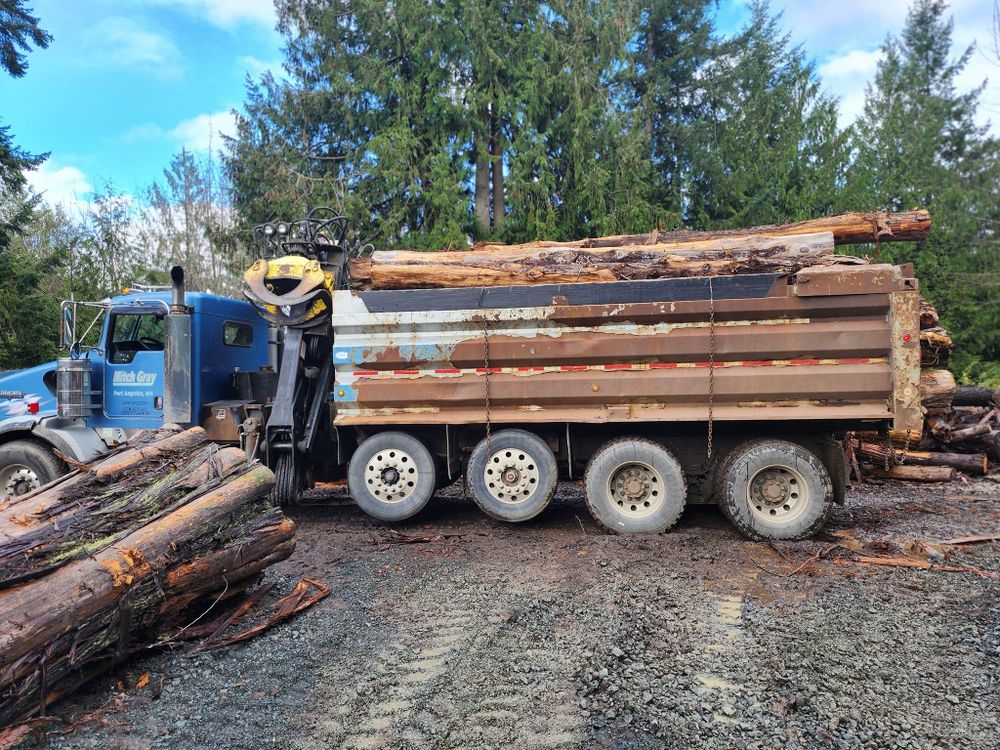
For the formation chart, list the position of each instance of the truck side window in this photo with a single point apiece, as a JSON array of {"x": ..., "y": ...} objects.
[
  {"x": 237, "y": 334},
  {"x": 134, "y": 332}
]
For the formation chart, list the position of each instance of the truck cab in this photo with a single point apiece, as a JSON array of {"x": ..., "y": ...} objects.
[{"x": 115, "y": 381}]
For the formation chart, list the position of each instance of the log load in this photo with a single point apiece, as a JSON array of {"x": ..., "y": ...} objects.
[
  {"x": 542, "y": 263},
  {"x": 781, "y": 248},
  {"x": 117, "y": 554}
]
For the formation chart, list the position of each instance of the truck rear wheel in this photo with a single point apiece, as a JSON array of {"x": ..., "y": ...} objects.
[
  {"x": 391, "y": 476},
  {"x": 24, "y": 466},
  {"x": 635, "y": 486},
  {"x": 774, "y": 489},
  {"x": 512, "y": 475}
]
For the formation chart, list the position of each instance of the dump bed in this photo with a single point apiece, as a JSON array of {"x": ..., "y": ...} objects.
[{"x": 836, "y": 343}]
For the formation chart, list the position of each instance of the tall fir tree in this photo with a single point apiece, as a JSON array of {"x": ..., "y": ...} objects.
[
  {"x": 774, "y": 152},
  {"x": 917, "y": 144},
  {"x": 675, "y": 42},
  {"x": 365, "y": 121}
]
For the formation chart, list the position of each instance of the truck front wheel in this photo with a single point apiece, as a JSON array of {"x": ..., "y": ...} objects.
[
  {"x": 24, "y": 466},
  {"x": 391, "y": 476},
  {"x": 288, "y": 482},
  {"x": 774, "y": 489}
]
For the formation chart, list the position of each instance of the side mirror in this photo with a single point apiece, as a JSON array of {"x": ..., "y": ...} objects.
[{"x": 67, "y": 332}]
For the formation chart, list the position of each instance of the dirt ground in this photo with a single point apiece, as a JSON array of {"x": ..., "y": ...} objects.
[{"x": 553, "y": 635}]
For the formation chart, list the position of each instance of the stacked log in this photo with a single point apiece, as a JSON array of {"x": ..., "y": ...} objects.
[
  {"x": 783, "y": 248},
  {"x": 112, "y": 557},
  {"x": 961, "y": 425}
]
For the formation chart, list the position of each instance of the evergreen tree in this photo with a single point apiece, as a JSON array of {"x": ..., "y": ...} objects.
[
  {"x": 773, "y": 150},
  {"x": 674, "y": 44},
  {"x": 365, "y": 122},
  {"x": 190, "y": 222},
  {"x": 917, "y": 144},
  {"x": 19, "y": 30}
]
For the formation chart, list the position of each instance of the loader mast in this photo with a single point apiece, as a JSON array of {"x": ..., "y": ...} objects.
[{"x": 298, "y": 267}]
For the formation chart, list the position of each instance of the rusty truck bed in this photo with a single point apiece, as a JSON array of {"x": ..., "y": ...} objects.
[{"x": 833, "y": 343}]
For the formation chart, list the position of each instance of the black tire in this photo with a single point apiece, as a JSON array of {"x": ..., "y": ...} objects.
[
  {"x": 392, "y": 476},
  {"x": 532, "y": 470},
  {"x": 635, "y": 486},
  {"x": 774, "y": 489},
  {"x": 26, "y": 465},
  {"x": 288, "y": 482}
]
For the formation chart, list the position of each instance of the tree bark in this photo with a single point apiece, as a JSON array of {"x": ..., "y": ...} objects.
[
  {"x": 482, "y": 198},
  {"x": 928, "y": 314},
  {"x": 88, "y": 614},
  {"x": 848, "y": 229},
  {"x": 916, "y": 473},
  {"x": 971, "y": 463},
  {"x": 496, "y": 159},
  {"x": 936, "y": 388},
  {"x": 970, "y": 395},
  {"x": 935, "y": 347},
  {"x": 542, "y": 263}
]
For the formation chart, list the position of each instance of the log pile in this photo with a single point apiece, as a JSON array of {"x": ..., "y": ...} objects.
[
  {"x": 961, "y": 426},
  {"x": 784, "y": 248},
  {"x": 116, "y": 555}
]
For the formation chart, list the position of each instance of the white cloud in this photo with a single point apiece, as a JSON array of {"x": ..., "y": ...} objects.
[
  {"x": 121, "y": 43},
  {"x": 257, "y": 67},
  {"x": 64, "y": 185},
  {"x": 204, "y": 132},
  {"x": 225, "y": 13},
  {"x": 844, "y": 37},
  {"x": 846, "y": 76},
  {"x": 147, "y": 131}
]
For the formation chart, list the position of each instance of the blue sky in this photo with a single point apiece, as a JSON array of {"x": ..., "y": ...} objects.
[{"x": 127, "y": 83}]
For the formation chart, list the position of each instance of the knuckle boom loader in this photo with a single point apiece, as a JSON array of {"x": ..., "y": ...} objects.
[{"x": 729, "y": 389}]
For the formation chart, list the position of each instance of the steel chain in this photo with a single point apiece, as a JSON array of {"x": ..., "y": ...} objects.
[
  {"x": 486, "y": 368},
  {"x": 711, "y": 364}
]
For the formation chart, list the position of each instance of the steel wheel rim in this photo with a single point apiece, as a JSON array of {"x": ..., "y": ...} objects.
[
  {"x": 777, "y": 494},
  {"x": 391, "y": 475},
  {"x": 17, "y": 479},
  {"x": 511, "y": 475},
  {"x": 636, "y": 489}
]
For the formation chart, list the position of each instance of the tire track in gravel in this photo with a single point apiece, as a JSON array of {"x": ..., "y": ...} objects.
[{"x": 476, "y": 667}]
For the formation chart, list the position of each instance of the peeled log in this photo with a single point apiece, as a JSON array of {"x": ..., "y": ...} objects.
[
  {"x": 936, "y": 388},
  {"x": 541, "y": 263},
  {"x": 851, "y": 228},
  {"x": 916, "y": 473}
]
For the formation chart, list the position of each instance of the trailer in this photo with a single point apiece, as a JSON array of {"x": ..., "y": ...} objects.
[{"x": 736, "y": 390}]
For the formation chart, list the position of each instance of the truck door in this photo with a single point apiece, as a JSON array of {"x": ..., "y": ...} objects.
[{"x": 133, "y": 376}]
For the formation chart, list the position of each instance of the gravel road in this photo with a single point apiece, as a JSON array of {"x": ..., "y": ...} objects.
[{"x": 554, "y": 635}]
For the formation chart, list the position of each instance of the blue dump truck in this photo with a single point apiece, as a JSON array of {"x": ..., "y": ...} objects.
[
  {"x": 124, "y": 379},
  {"x": 735, "y": 390}
]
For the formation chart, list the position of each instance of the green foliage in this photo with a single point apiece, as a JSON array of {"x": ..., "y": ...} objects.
[
  {"x": 917, "y": 145},
  {"x": 29, "y": 311},
  {"x": 775, "y": 153}
]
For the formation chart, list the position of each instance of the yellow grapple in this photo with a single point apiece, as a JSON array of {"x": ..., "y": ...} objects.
[{"x": 290, "y": 291}]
